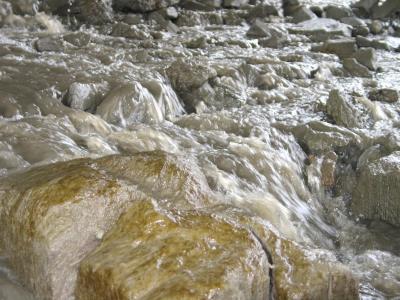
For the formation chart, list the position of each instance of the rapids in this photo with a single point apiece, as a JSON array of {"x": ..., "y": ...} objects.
[{"x": 251, "y": 119}]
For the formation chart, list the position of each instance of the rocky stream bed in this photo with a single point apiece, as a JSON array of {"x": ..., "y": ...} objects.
[{"x": 199, "y": 149}]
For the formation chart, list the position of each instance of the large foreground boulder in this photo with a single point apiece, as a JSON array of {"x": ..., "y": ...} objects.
[
  {"x": 152, "y": 254},
  {"x": 147, "y": 227},
  {"x": 218, "y": 253},
  {"x": 58, "y": 213},
  {"x": 377, "y": 194}
]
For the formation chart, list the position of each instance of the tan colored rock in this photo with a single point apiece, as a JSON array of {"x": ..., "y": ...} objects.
[
  {"x": 56, "y": 214},
  {"x": 218, "y": 253},
  {"x": 152, "y": 254},
  {"x": 170, "y": 243}
]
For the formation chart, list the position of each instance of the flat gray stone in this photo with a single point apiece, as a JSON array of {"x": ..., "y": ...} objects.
[
  {"x": 342, "y": 47},
  {"x": 354, "y": 68},
  {"x": 337, "y": 12},
  {"x": 366, "y": 57},
  {"x": 322, "y": 29}
]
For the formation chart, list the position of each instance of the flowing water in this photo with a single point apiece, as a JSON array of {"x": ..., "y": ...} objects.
[{"x": 241, "y": 137}]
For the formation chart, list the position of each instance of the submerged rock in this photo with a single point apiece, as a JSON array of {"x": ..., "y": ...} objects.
[
  {"x": 134, "y": 103},
  {"x": 376, "y": 195},
  {"x": 83, "y": 96}
]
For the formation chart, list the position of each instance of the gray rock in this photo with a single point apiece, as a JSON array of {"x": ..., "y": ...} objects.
[
  {"x": 354, "y": 68},
  {"x": 376, "y": 27},
  {"x": 373, "y": 43},
  {"x": 359, "y": 26},
  {"x": 360, "y": 31},
  {"x": 388, "y": 8},
  {"x": 342, "y": 47},
  {"x": 290, "y": 6},
  {"x": 163, "y": 23},
  {"x": 5, "y": 11},
  {"x": 207, "y": 5},
  {"x": 376, "y": 195},
  {"x": 50, "y": 44},
  {"x": 89, "y": 11},
  {"x": 337, "y": 12},
  {"x": 366, "y": 57},
  {"x": 385, "y": 95},
  {"x": 197, "y": 43},
  {"x": 234, "y": 3},
  {"x": 270, "y": 35},
  {"x": 24, "y": 7},
  {"x": 353, "y": 21},
  {"x": 275, "y": 41},
  {"x": 317, "y": 10},
  {"x": 321, "y": 137},
  {"x": 133, "y": 19},
  {"x": 191, "y": 18},
  {"x": 95, "y": 12},
  {"x": 342, "y": 109},
  {"x": 234, "y": 17},
  {"x": 142, "y": 6},
  {"x": 129, "y": 31},
  {"x": 84, "y": 96},
  {"x": 366, "y": 5},
  {"x": 79, "y": 39},
  {"x": 187, "y": 75},
  {"x": 261, "y": 11},
  {"x": 303, "y": 14},
  {"x": 321, "y": 29},
  {"x": 260, "y": 29}
]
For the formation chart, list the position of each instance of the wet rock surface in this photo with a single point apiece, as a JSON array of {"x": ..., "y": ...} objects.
[
  {"x": 375, "y": 196},
  {"x": 199, "y": 149}
]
